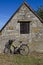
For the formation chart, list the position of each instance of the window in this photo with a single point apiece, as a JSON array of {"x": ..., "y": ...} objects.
[
  {"x": 24, "y": 27},
  {"x": 0, "y": 33}
]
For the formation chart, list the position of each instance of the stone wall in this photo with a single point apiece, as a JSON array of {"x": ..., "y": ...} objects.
[{"x": 12, "y": 30}]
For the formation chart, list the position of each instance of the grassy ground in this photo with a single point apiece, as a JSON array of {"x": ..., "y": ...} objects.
[{"x": 21, "y": 60}]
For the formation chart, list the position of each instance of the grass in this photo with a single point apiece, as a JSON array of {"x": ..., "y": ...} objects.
[{"x": 20, "y": 60}]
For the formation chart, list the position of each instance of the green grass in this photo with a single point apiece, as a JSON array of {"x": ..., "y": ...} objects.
[{"x": 20, "y": 60}]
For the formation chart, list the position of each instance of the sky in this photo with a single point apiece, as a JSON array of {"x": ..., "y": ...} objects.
[{"x": 8, "y": 7}]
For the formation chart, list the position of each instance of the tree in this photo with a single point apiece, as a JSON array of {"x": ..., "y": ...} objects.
[{"x": 40, "y": 11}]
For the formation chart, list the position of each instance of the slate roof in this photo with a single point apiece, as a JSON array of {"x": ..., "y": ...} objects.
[{"x": 18, "y": 10}]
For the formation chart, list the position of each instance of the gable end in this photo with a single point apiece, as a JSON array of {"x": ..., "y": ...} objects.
[{"x": 18, "y": 10}]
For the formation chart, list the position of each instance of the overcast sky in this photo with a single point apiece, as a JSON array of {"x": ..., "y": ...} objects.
[{"x": 8, "y": 7}]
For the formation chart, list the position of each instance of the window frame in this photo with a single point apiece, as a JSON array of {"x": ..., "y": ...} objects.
[{"x": 28, "y": 30}]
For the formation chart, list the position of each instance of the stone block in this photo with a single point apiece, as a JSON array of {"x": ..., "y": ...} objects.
[{"x": 35, "y": 29}]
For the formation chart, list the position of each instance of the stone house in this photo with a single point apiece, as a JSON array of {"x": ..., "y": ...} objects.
[{"x": 26, "y": 26}]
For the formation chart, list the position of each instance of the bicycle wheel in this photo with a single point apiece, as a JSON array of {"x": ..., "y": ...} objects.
[
  {"x": 24, "y": 49},
  {"x": 7, "y": 51}
]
